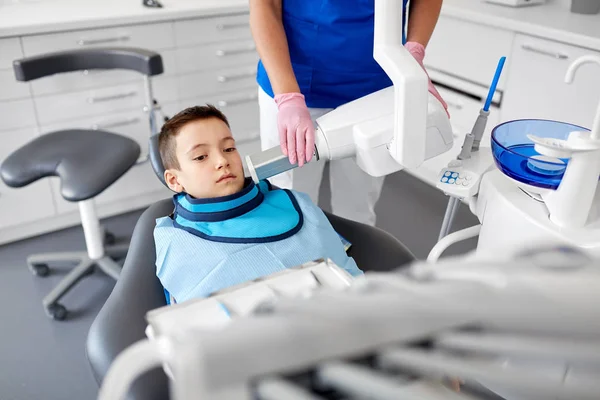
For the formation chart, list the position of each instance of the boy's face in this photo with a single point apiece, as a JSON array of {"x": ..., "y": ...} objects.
[{"x": 209, "y": 164}]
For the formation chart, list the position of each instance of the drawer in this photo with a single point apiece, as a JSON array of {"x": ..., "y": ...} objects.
[
  {"x": 212, "y": 30},
  {"x": 216, "y": 56},
  {"x": 153, "y": 36},
  {"x": 10, "y": 88},
  {"x": 468, "y": 50},
  {"x": 536, "y": 87},
  {"x": 240, "y": 108},
  {"x": 215, "y": 82},
  {"x": 134, "y": 124},
  {"x": 101, "y": 101},
  {"x": 29, "y": 203},
  {"x": 79, "y": 80},
  {"x": 17, "y": 114},
  {"x": 10, "y": 50}
]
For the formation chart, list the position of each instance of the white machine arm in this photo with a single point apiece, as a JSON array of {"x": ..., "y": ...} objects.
[
  {"x": 528, "y": 328},
  {"x": 394, "y": 128}
]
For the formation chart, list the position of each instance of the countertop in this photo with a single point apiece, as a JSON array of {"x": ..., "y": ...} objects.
[
  {"x": 30, "y": 17},
  {"x": 551, "y": 21},
  {"x": 27, "y": 17}
]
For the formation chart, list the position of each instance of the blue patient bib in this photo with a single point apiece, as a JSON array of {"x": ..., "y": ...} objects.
[{"x": 211, "y": 244}]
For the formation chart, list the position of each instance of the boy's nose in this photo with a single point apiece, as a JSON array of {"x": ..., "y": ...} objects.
[{"x": 222, "y": 162}]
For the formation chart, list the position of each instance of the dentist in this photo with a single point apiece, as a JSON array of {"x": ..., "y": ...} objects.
[{"x": 315, "y": 56}]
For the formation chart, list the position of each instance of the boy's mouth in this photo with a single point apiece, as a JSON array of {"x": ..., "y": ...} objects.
[{"x": 226, "y": 177}]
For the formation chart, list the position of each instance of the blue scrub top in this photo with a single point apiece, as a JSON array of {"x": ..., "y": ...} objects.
[{"x": 331, "y": 49}]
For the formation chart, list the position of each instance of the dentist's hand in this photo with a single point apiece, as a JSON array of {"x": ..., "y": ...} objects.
[
  {"x": 296, "y": 129},
  {"x": 418, "y": 52}
]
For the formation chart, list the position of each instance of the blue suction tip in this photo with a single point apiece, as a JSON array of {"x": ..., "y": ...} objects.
[{"x": 488, "y": 101}]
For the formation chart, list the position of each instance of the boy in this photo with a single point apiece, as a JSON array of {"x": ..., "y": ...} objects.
[{"x": 226, "y": 230}]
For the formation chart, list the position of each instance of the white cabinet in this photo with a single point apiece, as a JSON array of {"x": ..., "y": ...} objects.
[
  {"x": 16, "y": 114},
  {"x": 10, "y": 88},
  {"x": 10, "y": 49},
  {"x": 468, "y": 50},
  {"x": 152, "y": 36},
  {"x": 28, "y": 204},
  {"x": 101, "y": 100},
  {"x": 537, "y": 89},
  {"x": 211, "y": 30}
]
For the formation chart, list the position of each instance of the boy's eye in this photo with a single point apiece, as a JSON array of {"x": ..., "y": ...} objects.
[
  {"x": 200, "y": 158},
  {"x": 230, "y": 149}
]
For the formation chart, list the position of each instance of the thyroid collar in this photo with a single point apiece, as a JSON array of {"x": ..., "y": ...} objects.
[{"x": 256, "y": 214}]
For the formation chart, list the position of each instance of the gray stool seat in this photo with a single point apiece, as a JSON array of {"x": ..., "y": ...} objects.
[{"x": 86, "y": 161}]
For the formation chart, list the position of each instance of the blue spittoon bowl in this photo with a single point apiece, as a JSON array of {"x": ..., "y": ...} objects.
[{"x": 515, "y": 155}]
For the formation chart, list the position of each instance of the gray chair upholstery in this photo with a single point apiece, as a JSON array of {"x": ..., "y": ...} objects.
[
  {"x": 121, "y": 321},
  {"x": 86, "y": 163}
]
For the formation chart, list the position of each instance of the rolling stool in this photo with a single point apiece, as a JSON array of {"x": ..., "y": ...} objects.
[{"x": 86, "y": 161}]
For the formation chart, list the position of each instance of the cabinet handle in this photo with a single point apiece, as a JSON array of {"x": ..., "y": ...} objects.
[
  {"x": 247, "y": 49},
  {"x": 553, "y": 54},
  {"x": 223, "y": 27},
  {"x": 115, "y": 124},
  {"x": 92, "y": 71},
  {"x": 226, "y": 78},
  {"x": 93, "y": 100},
  {"x": 241, "y": 100},
  {"x": 87, "y": 42}
]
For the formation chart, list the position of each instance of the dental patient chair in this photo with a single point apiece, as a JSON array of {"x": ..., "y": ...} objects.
[
  {"x": 86, "y": 161},
  {"x": 121, "y": 321}
]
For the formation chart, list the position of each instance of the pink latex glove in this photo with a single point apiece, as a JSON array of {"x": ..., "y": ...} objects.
[
  {"x": 296, "y": 129},
  {"x": 418, "y": 52}
]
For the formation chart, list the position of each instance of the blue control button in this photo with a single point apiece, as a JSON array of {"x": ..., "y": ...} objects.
[
  {"x": 448, "y": 173},
  {"x": 444, "y": 179},
  {"x": 451, "y": 181},
  {"x": 454, "y": 175}
]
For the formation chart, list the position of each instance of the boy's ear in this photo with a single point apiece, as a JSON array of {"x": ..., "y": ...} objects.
[{"x": 172, "y": 181}]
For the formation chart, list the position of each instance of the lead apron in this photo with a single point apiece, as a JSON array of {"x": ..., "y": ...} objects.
[{"x": 210, "y": 244}]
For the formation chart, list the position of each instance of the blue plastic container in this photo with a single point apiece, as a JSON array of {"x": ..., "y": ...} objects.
[{"x": 516, "y": 157}]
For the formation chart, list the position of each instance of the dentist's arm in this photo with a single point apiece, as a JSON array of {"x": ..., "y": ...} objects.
[
  {"x": 422, "y": 18},
  {"x": 296, "y": 129}
]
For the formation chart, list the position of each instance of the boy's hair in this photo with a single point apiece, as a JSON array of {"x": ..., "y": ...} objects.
[{"x": 171, "y": 128}]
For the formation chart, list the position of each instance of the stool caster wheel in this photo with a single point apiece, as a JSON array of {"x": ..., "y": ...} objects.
[
  {"x": 57, "y": 312},
  {"x": 40, "y": 269},
  {"x": 109, "y": 238}
]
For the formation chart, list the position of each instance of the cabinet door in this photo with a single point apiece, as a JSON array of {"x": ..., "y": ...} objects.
[
  {"x": 152, "y": 36},
  {"x": 536, "y": 85},
  {"x": 468, "y": 50},
  {"x": 29, "y": 203},
  {"x": 10, "y": 49}
]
